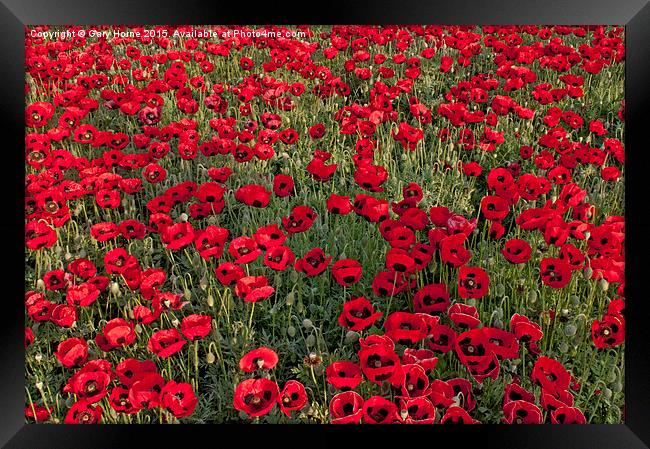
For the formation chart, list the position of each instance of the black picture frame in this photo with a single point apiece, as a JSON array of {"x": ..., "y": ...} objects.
[{"x": 634, "y": 14}]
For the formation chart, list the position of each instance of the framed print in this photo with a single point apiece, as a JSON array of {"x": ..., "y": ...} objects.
[{"x": 414, "y": 214}]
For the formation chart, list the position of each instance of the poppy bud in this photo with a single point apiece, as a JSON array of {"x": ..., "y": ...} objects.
[
  {"x": 38, "y": 357},
  {"x": 40, "y": 285},
  {"x": 588, "y": 272},
  {"x": 291, "y": 297},
  {"x": 603, "y": 284},
  {"x": 115, "y": 288},
  {"x": 617, "y": 387},
  {"x": 291, "y": 331},
  {"x": 307, "y": 323},
  {"x": 500, "y": 290},
  {"x": 607, "y": 393},
  {"x": 570, "y": 330},
  {"x": 210, "y": 301},
  {"x": 183, "y": 217},
  {"x": 310, "y": 341},
  {"x": 210, "y": 358},
  {"x": 532, "y": 296},
  {"x": 351, "y": 337}
]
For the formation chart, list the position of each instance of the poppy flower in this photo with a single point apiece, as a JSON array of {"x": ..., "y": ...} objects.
[
  {"x": 457, "y": 415},
  {"x": 130, "y": 370},
  {"x": 453, "y": 252},
  {"x": 418, "y": 410},
  {"x": 524, "y": 329},
  {"x": 90, "y": 385},
  {"x": 279, "y": 258},
  {"x": 269, "y": 236},
  {"x": 464, "y": 316},
  {"x": 253, "y": 288},
  {"x": 347, "y": 272},
  {"x": 165, "y": 343},
  {"x": 283, "y": 185},
  {"x": 117, "y": 332},
  {"x": 228, "y": 273},
  {"x": 379, "y": 410},
  {"x": 83, "y": 412},
  {"x": 380, "y": 363},
  {"x": 521, "y": 412},
  {"x": 415, "y": 381},
  {"x": 178, "y": 398},
  {"x": 300, "y": 219},
  {"x": 145, "y": 391},
  {"x": 72, "y": 352},
  {"x": 555, "y": 272},
  {"x": 432, "y": 298},
  {"x": 608, "y": 332},
  {"x": 346, "y": 408},
  {"x": 473, "y": 282},
  {"x": 244, "y": 250},
  {"x": 313, "y": 263},
  {"x": 344, "y": 375},
  {"x": 405, "y": 328},
  {"x": 550, "y": 375},
  {"x": 39, "y": 235},
  {"x": 178, "y": 236},
  {"x": 256, "y": 397},
  {"x": 568, "y": 415},
  {"x": 253, "y": 195},
  {"x": 37, "y": 413},
  {"x": 358, "y": 314},
  {"x": 339, "y": 204},
  {"x": 196, "y": 326},
  {"x": 292, "y": 397}
]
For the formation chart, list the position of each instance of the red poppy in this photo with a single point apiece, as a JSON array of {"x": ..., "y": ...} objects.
[
  {"x": 379, "y": 410},
  {"x": 165, "y": 343},
  {"x": 405, "y": 328},
  {"x": 253, "y": 288},
  {"x": 347, "y": 272},
  {"x": 344, "y": 375},
  {"x": 346, "y": 408},
  {"x": 473, "y": 282},
  {"x": 283, "y": 185},
  {"x": 300, "y": 219},
  {"x": 279, "y": 258},
  {"x": 292, "y": 397},
  {"x": 313, "y": 263},
  {"x": 253, "y": 195},
  {"x": 358, "y": 314},
  {"x": 178, "y": 398},
  {"x": 256, "y": 397},
  {"x": 516, "y": 251},
  {"x": 82, "y": 412},
  {"x": 555, "y": 272},
  {"x": 196, "y": 326},
  {"x": 432, "y": 298},
  {"x": 72, "y": 352}
]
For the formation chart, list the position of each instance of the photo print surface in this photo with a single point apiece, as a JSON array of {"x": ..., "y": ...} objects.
[{"x": 324, "y": 224}]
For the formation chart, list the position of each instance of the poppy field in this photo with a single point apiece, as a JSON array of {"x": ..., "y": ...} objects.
[{"x": 324, "y": 224}]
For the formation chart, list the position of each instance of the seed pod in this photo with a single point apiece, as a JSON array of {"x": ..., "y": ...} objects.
[
  {"x": 351, "y": 337},
  {"x": 603, "y": 284},
  {"x": 570, "y": 330},
  {"x": 607, "y": 393},
  {"x": 115, "y": 289}
]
